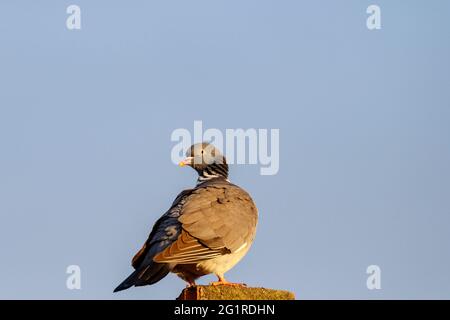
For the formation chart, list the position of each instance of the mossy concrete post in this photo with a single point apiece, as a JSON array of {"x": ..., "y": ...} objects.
[{"x": 224, "y": 292}]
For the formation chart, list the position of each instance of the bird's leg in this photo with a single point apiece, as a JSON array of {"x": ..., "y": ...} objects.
[
  {"x": 223, "y": 282},
  {"x": 190, "y": 283}
]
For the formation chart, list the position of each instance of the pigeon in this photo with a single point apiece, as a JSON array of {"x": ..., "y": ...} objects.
[{"x": 207, "y": 230}]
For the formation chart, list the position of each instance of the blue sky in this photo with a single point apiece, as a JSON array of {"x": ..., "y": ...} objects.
[{"x": 86, "y": 118}]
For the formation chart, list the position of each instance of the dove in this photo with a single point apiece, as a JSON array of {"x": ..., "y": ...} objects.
[{"x": 207, "y": 230}]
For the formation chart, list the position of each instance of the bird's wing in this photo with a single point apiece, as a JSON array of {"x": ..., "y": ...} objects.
[
  {"x": 216, "y": 219},
  {"x": 165, "y": 231},
  {"x": 186, "y": 249}
]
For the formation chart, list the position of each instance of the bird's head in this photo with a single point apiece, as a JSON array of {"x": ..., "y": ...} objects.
[{"x": 207, "y": 160}]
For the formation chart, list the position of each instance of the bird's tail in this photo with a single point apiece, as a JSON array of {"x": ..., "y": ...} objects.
[{"x": 145, "y": 275}]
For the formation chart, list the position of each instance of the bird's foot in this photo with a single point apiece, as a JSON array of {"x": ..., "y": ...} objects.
[
  {"x": 190, "y": 284},
  {"x": 223, "y": 282}
]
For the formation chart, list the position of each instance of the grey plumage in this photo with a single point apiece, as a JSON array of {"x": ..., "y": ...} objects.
[{"x": 208, "y": 229}]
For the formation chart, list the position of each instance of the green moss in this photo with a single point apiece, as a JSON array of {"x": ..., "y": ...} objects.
[{"x": 234, "y": 293}]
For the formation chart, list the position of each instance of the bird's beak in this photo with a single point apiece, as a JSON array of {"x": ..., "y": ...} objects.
[{"x": 186, "y": 162}]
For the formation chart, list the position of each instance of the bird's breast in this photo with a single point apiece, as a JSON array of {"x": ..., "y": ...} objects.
[{"x": 222, "y": 264}]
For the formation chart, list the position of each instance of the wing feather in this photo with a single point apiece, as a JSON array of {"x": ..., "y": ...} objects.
[
  {"x": 186, "y": 249},
  {"x": 215, "y": 220}
]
